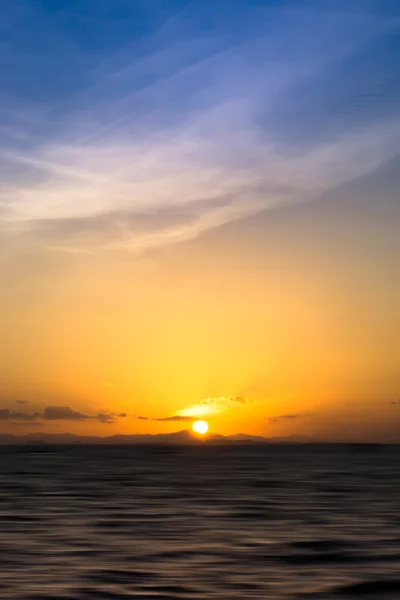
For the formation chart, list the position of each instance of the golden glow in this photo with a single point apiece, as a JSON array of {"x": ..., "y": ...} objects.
[
  {"x": 200, "y": 427},
  {"x": 197, "y": 410},
  {"x": 294, "y": 333}
]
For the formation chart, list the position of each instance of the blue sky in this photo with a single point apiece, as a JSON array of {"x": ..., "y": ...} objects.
[{"x": 156, "y": 121}]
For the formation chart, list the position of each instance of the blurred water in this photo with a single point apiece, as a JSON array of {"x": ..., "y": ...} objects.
[{"x": 199, "y": 522}]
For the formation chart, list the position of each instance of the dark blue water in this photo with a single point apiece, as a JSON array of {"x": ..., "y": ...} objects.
[{"x": 200, "y": 522}]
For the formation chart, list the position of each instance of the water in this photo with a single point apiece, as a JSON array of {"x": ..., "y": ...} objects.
[{"x": 199, "y": 522}]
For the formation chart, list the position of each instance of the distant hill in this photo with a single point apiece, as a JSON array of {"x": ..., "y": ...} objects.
[{"x": 179, "y": 437}]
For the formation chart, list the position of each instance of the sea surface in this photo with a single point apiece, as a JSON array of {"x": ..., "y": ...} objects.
[{"x": 201, "y": 522}]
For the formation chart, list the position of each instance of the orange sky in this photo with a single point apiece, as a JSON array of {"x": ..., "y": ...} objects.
[
  {"x": 199, "y": 216},
  {"x": 293, "y": 312}
]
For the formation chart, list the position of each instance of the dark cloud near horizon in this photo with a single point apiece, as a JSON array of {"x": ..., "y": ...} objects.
[
  {"x": 4, "y": 414},
  {"x": 285, "y": 417},
  {"x": 61, "y": 413},
  {"x": 109, "y": 418},
  {"x": 58, "y": 413},
  {"x": 7, "y": 415},
  {"x": 103, "y": 418},
  {"x": 27, "y": 423},
  {"x": 22, "y": 401},
  {"x": 174, "y": 418},
  {"x": 25, "y": 416},
  {"x": 66, "y": 413},
  {"x": 167, "y": 419}
]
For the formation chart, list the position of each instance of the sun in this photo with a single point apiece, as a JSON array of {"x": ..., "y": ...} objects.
[{"x": 200, "y": 427}]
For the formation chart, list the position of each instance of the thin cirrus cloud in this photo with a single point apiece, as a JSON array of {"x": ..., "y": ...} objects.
[{"x": 182, "y": 131}]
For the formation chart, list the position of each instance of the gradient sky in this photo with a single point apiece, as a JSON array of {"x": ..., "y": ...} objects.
[{"x": 199, "y": 216}]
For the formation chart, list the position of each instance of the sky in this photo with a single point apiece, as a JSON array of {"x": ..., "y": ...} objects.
[{"x": 199, "y": 217}]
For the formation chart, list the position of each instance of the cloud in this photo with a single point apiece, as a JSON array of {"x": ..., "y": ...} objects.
[
  {"x": 286, "y": 417},
  {"x": 174, "y": 418},
  {"x": 110, "y": 418},
  {"x": 65, "y": 413},
  {"x": 183, "y": 133},
  {"x": 166, "y": 419},
  {"x": 61, "y": 413},
  {"x": 106, "y": 418},
  {"x": 212, "y": 406},
  {"x": 22, "y": 401},
  {"x": 241, "y": 400},
  {"x": 375, "y": 403},
  {"x": 27, "y": 424},
  {"x": 7, "y": 415},
  {"x": 24, "y": 416},
  {"x": 226, "y": 400},
  {"x": 4, "y": 414}
]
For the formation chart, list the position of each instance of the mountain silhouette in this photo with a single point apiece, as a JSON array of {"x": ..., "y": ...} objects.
[{"x": 185, "y": 436}]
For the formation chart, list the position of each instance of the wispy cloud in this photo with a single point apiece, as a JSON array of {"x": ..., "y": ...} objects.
[
  {"x": 213, "y": 406},
  {"x": 226, "y": 400},
  {"x": 168, "y": 139},
  {"x": 288, "y": 417}
]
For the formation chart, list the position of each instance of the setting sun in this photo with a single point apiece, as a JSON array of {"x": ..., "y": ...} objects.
[{"x": 200, "y": 427}]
